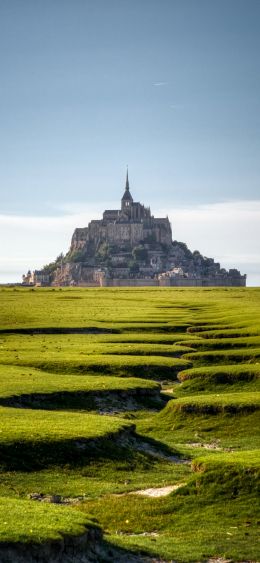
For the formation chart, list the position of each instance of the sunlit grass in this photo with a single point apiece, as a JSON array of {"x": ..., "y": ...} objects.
[
  {"x": 17, "y": 380},
  {"x": 132, "y": 340},
  {"x": 26, "y": 425},
  {"x": 27, "y": 522}
]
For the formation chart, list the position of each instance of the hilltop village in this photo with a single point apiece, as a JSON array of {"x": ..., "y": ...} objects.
[{"x": 131, "y": 247}]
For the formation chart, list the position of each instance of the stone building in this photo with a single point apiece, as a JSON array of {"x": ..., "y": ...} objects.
[
  {"x": 132, "y": 224},
  {"x": 129, "y": 246}
]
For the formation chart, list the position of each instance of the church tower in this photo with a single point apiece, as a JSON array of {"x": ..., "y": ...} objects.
[{"x": 127, "y": 200}]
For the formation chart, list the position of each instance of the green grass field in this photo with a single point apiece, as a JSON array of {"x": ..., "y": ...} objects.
[{"x": 105, "y": 393}]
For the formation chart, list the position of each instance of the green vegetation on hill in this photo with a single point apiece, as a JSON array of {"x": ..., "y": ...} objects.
[{"x": 107, "y": 392}]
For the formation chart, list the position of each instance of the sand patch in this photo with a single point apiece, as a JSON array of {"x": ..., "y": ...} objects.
[{"x": 157, "y": 491}]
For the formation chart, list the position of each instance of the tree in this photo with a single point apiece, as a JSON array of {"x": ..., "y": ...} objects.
[
  {"x": 139, "y": 253},
  {"x": 133, "y": 267},
  {"x": 104, "y": 252}
]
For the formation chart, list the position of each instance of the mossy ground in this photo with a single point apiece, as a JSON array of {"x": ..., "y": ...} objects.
[{"x": 71, "y": 361}]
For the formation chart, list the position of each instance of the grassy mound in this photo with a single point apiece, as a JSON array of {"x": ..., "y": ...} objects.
[
  {"x": 236, "y": 403},
  {"x": 228, "y": 474},
  {"x": 151, "y": 367},
  {"x": 222, "y": 374},
  {"x": 33, "y": 522},
  {"x": 227, "y": 332},
  {"x": 23, "y": 386},
  {"x": 219, "y": 379},
  {"x": 29, "y": 425},
  {"x": 152, "y": 338},
  {"x": 32, "y": 439},
  {"x": 220, "y": 343},
  {"x": 207, "y": 422},
  {"x": 225, "y": 356}
]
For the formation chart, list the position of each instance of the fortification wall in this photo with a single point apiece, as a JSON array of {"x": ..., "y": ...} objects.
[
  {"x": 175, "y": 282},
  {"x": 130, "y": 282},
  {"x": 203, "y": 282}
]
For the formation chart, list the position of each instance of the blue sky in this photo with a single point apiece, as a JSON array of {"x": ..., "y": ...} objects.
[{"x": 169, "y": 87}]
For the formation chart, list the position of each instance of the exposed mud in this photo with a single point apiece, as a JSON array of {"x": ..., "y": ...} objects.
[
  {"x": 88, "y": 548},
  {"x": 68, "y": 549},
  {"x": 105, "y": 402},
  {"x": 152, "y": 448},
  {"x": 157, "y": 492},
  {"x": 210, "y": 446},
  {"x": 56, "y": 499},
  {"x": 142, "y": 535},
  {"x": 149, "y": 449}
]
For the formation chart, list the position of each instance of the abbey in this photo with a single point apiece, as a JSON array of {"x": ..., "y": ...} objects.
[
  {"x": 129, "y": 246},
  {"x": 128, "y": 226}
]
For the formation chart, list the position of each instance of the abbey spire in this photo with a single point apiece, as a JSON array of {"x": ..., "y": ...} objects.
[
  {"x": 127, "y": 180},
  {"x": 127, "y": 198}
]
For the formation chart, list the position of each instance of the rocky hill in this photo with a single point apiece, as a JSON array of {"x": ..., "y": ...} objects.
[{"x": 129, "y": 246}]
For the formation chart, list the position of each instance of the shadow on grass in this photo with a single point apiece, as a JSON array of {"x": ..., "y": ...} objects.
[
  {"x": 158, "y": 371},
  {"x": 171, "y": 329},
  {"x": 110, "y": 553},
  {"x": 89, "y": 547},
  {"x": 60, "y": 330},
  {"x": 111, "y": 402},
  {"x": 124, "y": 445}
]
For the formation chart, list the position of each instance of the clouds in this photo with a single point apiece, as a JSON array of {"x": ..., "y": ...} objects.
[
  {"x": 228, "y": 231},
  {"x": 32, "y": 241},
  {"x": 228, "y": 228},
  {"x": 160, "y": 83}
]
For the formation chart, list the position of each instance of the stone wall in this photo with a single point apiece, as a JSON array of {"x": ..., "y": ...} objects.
[
  {"x": 79, "y": 239},
  {"x": 176, "y": 282},
  {"x": 118, "y": 232},
  {"x": 124, "y": 232},
  {"x": 130, "y": 282},
  {"x": 204, "y": 282}
]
